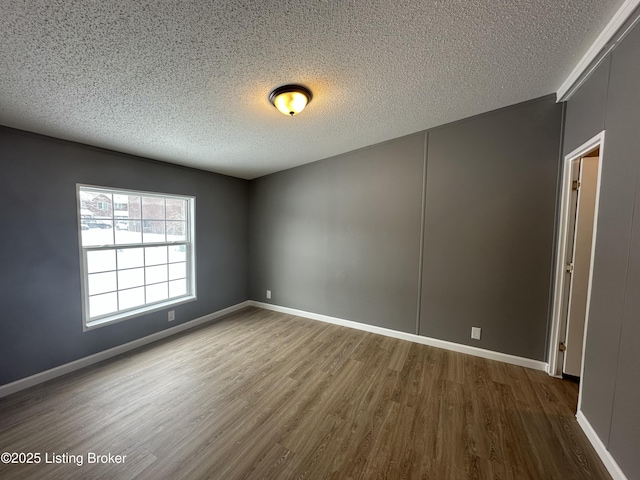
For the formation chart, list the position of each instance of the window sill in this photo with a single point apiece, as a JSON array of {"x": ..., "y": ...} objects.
[{"x": 103, "y": 322}]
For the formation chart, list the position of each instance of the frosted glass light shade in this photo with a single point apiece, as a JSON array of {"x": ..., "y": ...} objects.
[{"x": 290, "y": 99}]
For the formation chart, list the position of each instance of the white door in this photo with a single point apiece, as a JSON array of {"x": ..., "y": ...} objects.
[{"x": 580, "y": 266}]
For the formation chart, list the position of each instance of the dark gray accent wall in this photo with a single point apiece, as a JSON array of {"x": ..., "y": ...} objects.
[
  {"x": 611, "y": 385},
  {"x": 41, "y": 316},
  {"x": 341, "y": 237},
  {"x": 489, "y": 228}
]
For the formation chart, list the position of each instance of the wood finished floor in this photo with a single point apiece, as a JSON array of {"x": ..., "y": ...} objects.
[{"x": 267, "y": 395}]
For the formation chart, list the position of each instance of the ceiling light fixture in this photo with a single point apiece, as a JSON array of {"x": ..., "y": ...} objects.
[{"x": 290, "y": 99}]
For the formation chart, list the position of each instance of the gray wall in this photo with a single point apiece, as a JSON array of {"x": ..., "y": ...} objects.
[
  {"x": 586, "y": 110},
  {"x": 41, "y": 319},
  {"x": 489, "y": 228},
  {"x": 611, "y": 385},
  {"x": 341, "y": 237}
]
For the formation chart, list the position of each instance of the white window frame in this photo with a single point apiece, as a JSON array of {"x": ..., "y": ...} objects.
[{"x": 121, "y": 315}]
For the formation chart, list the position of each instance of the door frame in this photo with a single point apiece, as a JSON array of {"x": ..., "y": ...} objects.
[{"x": 556, "y": 336}]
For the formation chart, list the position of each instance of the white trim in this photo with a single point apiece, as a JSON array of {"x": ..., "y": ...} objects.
[
  {"x": 594, "y": 237},
  {"x": 577, "y": 77},
  {"x": 423, "y": 209},
  {"x": 561, "y": 258},
  {"x": 411, "y": 337},
  {"x": 612, "y": 466},
  {"x": 138, "y": 312},
  {"x": 47, "y": 375}
]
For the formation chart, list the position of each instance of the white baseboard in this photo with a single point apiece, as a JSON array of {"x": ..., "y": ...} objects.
[
  {"x": 433, "y": 342},
  {"x": 41, "y": 377},
  {"x": 548, "y": 370},
  {"x": 613, "y": 468}
]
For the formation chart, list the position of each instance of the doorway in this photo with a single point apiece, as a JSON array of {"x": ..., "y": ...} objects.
[{"x": 582, "y": 171}]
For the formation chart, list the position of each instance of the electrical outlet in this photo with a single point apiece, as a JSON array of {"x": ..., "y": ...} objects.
[
  {"x": 268, "y": 293},
  {"x": 172, "y": 315},
  {"x": 476, "y": 332}
]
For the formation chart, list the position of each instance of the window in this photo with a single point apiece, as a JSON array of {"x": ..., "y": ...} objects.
[{"x": 137, "y": 263}]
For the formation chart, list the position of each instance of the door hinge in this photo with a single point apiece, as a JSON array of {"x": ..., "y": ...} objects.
[
  {"x": 562, "y": 347},
  {"x": 575, "y": 185},
  {"x": 569, "y": 267}
]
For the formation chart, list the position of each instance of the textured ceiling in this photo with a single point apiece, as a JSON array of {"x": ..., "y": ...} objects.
[{"x": 187, "y": 81}]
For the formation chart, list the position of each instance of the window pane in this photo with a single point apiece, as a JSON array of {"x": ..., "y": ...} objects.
[
  {"x": 104, "y": 204},
  {"x": 177, "y": 288},
  {"x": 96, "y": 232},
  {"x": 157, "y": 292},
  {"x": 152, "y": 231},
  {"x": 176, "y": 231},
  {"x": 86, "y": 199},
  {"x": 95, "y": 204},
  {"x": 102, "y": 282},
  {"x": 153, "y": 208},
  {"x": 131, "y": 298},
  {"x": 128, "y": 231},
  {"x": 176, "y": 209},
  {"x": 103, "y": 304},
  {"x": 131, "y": 258},
  {"x": 125, "y": 272},
  {"x": 101, "y": 261},
  {"x": 135, "y": 207},
  {"x": 130, "y": 278},
  {"x": 126, "y": 206},
  {"x": 177, "y": 270},
  {"x": 120, "y": 205},
  {"x": 177, "y": 253},
  {"x": 155, "y": 255},
  {"x": 156, "y": 274}
]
